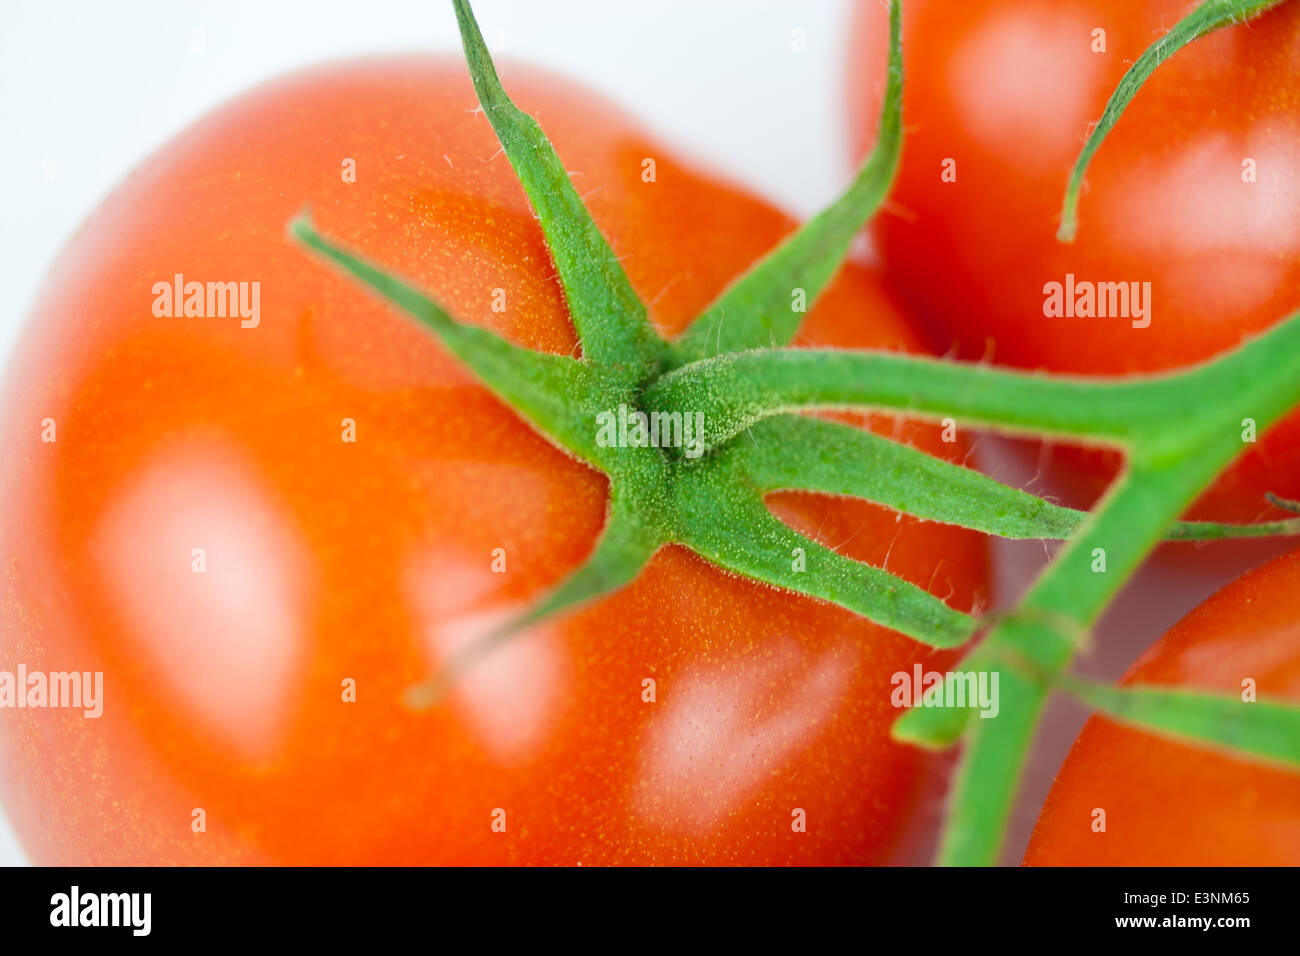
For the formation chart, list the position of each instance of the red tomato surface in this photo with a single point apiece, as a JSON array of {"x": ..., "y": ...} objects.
[
  {"x": 1008, "y": 90},
  {"x": 328, "y": 560},
  {"x": 1169, "y": 804}
]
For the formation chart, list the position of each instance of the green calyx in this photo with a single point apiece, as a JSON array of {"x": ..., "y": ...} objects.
[{"x": 694, "y": 433}]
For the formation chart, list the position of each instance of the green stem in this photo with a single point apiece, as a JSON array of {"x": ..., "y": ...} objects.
[
  {"x": 556, "y": 393},
  {"x": 1125, "y": 527},
  {"x": 1074, "y": 589},
  {"x": 626, "y": 545},
  {"x": 735, "y": 391},
  {"x": 797, "y": 453},
  {"x": 765, "y": 306},
  {"x": 1209, "y": 16},
  {"x": 1268, "y": 731},
  {"x": 739, "y": 533},
  {"x": 609, "y": 318}
]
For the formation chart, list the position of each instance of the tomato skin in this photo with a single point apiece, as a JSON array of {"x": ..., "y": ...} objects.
[
  {"x": 1008, "y": 90},
  {"x": 1168, "y": 804},
  {"x": 328, "y": 560}
]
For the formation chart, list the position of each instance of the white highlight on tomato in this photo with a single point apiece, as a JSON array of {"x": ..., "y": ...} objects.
[
  {"x": 227, "y": 642},
  {"x": 510, "y": 696},
  {"x": 1002, "y": 74},
  {"x": 726, "y": 727},
  {"x": 1162, "y": 202}
]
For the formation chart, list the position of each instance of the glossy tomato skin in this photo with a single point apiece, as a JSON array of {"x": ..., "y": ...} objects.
[
  {"x": 1168, "y": 804},
  {"x": 200, "y": 531},
  {"x": 1007, "y": 89}
]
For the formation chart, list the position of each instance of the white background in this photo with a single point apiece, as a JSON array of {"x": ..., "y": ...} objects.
[{"x": 96, "y": 87}]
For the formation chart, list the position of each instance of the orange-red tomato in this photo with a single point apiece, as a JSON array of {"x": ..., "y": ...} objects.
[
  {"x": 1169, "y": 804},
  {"x": 1194, "y": 191},
  {"x": 202, "y": 533}
]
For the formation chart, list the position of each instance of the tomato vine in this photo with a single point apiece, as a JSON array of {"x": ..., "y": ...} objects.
[{"x": 731, "y": 365}]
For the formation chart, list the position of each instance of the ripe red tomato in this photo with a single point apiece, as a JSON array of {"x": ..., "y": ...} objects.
[
  {"x": 327, "y": 561},
  {"x": 1001, "y": 94},
  {"x": 1169, "y": 804}
]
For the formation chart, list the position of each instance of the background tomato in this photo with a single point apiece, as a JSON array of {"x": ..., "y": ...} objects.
[
  {"x": 1172, "y": 805},
  {"x": 1007, "y": 89},
  {"x": 327, "y": 561}
]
